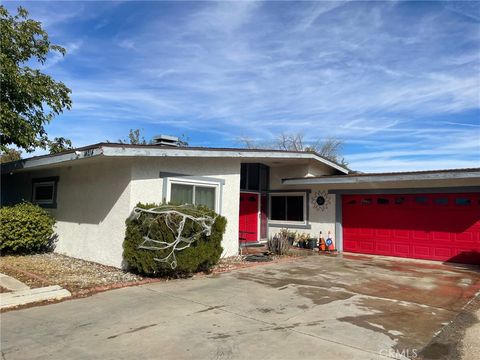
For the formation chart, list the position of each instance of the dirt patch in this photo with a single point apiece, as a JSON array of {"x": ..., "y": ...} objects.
[
  {"x": 72, "y": 274},
  {"x": 4, "y": 290}
]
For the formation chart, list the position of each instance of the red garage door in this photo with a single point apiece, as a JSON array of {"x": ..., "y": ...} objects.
[{"x": 444, "y": 227}]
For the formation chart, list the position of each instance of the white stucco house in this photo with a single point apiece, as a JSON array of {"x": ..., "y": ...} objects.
[{"x": 92, "y": 190}]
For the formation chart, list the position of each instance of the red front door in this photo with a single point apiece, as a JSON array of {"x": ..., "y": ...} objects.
[
  {"x": 444, "y": 227},
  {"x": 248, "y": 227}
]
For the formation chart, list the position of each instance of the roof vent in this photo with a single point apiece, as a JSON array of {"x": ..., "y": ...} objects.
[{"x": 165, "y": 140}]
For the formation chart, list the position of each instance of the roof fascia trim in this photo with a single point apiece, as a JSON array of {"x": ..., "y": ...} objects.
[
  {"x": 51, "y": 160},
  {"x": 383, "y": 178},
  {"x": 175, "y": 152}
]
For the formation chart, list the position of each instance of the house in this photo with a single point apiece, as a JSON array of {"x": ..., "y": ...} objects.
[{"x": 92, "y": 190}]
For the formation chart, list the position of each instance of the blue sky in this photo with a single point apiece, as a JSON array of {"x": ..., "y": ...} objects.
[{"x": 397, "y": 81}]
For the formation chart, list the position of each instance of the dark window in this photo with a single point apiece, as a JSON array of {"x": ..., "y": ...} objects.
[
  {"x": 383, "y": 201},
  {"x": 287, "y": 208},
  {"x": 44, "y": 191},
  {"x": 462, "y": 201},
  {"x": 421, "y": 200},
  {"x": 352, "y": 202},
  {"x": 399, "y": 200},
  {"x": 294, "y": 208},
  {"x": 263, "y": 174},
  {"x": 254, "y": 177},
  {"x": 441, "y": 201},
  {"x": 367, "y": 201},
  {"x": 279, "y": 208},
  {"x": 243, "y": 177}
]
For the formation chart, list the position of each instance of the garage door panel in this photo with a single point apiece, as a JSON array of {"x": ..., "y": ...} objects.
[
  {"x": 442, "y": 252},
  {"x": 383, "y": 247},
  {"x": 401, "y": 234},
  {"x": 383, "y": 233},
  {"x": 440, "y": 236},
  {"x": 401, "y": 249},
  {"x": 421, "y": 252},
  {"x": 442, "y": 227},
  {"x": 367, "y": 246}
]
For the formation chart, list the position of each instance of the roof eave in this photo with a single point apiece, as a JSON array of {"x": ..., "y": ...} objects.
[
  {"x": 144, "y": 151},
  {"x": 185, "y": 152},
  {"x": 51, "y": 160},
  {"x": 326, "y": 180}
]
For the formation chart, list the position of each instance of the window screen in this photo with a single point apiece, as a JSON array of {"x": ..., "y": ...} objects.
[
  {"x": 205, "y": 196},
  {"x": 181, "y": 194},
  {"x": 193, "y": 194}
]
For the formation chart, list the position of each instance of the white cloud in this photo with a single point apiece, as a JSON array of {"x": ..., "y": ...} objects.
[{"x": 376, "y": 75}]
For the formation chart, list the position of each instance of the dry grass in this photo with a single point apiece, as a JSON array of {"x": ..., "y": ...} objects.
[{"x": 72, "y": 274}]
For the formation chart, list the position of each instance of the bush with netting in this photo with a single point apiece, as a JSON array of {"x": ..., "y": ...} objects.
[{"x": 172, "y": 240}]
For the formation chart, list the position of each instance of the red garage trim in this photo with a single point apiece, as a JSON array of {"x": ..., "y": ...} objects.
[{"x": 444, "y": 227}]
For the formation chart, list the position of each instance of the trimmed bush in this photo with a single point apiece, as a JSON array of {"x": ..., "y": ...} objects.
[
  {"x": 25, "y": 228},
  {"x": 201, "y": 255}
]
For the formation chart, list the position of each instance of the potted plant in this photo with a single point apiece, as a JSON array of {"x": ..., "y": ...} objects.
[
  {"x": 302, "y": 239},
  {"x": 312, "y": 243}
]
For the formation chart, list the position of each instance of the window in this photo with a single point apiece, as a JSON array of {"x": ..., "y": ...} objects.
[
  {"x": 366, "y": 201},
  {"x": 462, "y": 201},
  {"x": 441, "y": 201},
  {"x": 288, "y": 207},
  {"x": 399, "y": 200},
  {"x": 44, "y": 191},
  {"x": 421, "y": 200},
  {"x": 383, "y": 201},
  {"x": 200, "y": 193},
  {"x": 254, "y": 177}
]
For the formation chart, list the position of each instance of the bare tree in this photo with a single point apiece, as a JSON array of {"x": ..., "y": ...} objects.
[
  {"x": 330, "y": 148},
  {"x": 290, "y": 142},
  {"x": 249, "y": 143},
  {"x": 134, "y": 137}
]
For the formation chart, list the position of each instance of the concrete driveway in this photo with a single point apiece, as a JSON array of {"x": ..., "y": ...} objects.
[{"x": 350, "y": 307}]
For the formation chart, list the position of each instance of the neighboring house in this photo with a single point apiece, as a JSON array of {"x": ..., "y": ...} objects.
[{"x": 92, "y": 190}]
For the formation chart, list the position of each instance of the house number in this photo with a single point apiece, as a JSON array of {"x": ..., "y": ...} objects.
[{"x": 88, "y": 153}]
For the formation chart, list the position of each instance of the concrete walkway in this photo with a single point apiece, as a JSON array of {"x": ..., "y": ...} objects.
[
  {"x": 11, "y": 283},
  {"x": 21, "y": 294},
  {"x": 314, "y": 308}
]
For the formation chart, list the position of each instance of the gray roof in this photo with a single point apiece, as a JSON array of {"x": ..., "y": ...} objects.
[
  {"x": 468, "y": 173},
  {"x": 117, "y": 149}
]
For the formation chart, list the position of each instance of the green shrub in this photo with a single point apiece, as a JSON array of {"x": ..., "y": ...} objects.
[
  {"x": 25, "y": 228},
  {"x": 201, "y": 255}
]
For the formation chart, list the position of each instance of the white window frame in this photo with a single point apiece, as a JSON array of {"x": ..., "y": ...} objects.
[
  {"x": 44, "y": 183},
  {"x": 286, "y": 222},
  {"x": 194, "y": 183}
]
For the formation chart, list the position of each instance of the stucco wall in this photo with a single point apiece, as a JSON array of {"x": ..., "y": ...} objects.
[
  {"x": 95, "y": 198},
  {"x": 318, "y": 219},
  {"x": 147, "y": 186},
  {"x": 93, "y": 201}
]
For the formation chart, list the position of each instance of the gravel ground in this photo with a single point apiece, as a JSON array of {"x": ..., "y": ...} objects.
[
  {"x": 54, "y": 269},
  {"x": 458, "y": 340},
  {"x": 79, "y": 276}
]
